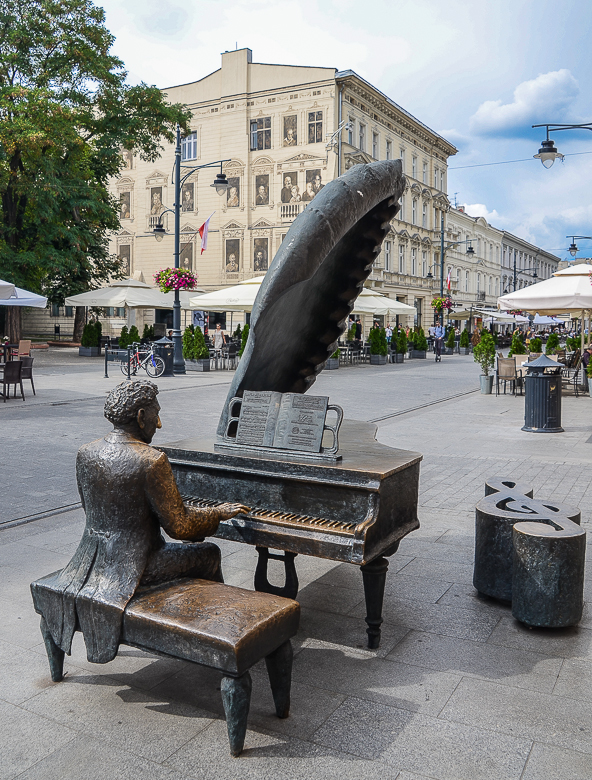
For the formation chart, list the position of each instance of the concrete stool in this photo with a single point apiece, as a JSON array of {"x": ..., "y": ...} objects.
[
  {"x": 507, "y": 503},
  {"x": 548, "y": 573},
  {"x": 216, "y": 625}
]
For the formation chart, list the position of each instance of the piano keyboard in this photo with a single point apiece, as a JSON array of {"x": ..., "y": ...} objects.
[{"x": 285, "y": 519}]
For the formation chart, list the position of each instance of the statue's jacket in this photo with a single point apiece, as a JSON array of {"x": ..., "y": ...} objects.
[{"x": 128, "y": 492}]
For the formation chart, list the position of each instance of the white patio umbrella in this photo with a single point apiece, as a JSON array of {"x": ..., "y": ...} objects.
[
  {"x": 22, "y": 297},
  {"x": 6, "y": 289},
  {"x": 541, "y": 320},
  {"x": 241, "y": 297},
  {"x": 569, "y": 290},
  {"x": 131, "y": 293}
]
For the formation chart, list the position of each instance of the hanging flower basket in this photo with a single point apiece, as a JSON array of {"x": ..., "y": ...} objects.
[
  {"x": 169, "y": 279},
  {"x": 441, "y": 303}
]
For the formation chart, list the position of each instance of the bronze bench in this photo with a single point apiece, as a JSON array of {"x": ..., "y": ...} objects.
[{"x": 216, "y": 625}]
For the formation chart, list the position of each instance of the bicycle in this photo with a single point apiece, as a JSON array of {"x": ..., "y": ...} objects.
[{"x": 151, "y": 363}]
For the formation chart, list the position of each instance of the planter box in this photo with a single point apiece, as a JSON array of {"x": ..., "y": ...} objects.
[
  {"x": 378, "y": 360},
  {"x": 89, "y": 351},
  {"x": 197, "y": 365},
  {"x": 332, "y": 364},
  {"x": 419, "y": 354},
  {"x": 465, "y": 350},
  {"x": 398, "y": 357},
  {"x": 449, "y": 351},
  {"x": 486, "y": 384},
  {"x": 590, "y": 386}
]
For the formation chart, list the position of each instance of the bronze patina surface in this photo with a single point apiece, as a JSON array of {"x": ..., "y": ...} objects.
[{"x": 128, "y": 492}]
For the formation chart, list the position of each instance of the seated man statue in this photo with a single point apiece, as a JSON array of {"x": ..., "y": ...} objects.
[{"x": 128, "y": 493}]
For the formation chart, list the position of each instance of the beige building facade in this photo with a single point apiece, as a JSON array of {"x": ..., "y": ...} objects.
[{"x": 284, "y": 132}]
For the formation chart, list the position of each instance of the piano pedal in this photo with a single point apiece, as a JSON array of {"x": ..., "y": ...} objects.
[{"x": 262, "y": 584}]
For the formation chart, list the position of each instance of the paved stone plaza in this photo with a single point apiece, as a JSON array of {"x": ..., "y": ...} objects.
[{"x": 458, "y": 690}]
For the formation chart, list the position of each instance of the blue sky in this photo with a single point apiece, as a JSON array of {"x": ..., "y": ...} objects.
[{"x": 480, "y": 73}]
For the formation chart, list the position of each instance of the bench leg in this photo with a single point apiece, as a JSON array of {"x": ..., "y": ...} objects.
[
  {"x": 279, "y": 669},
  {"x": 55, "y": 655},
  {"x": 236, "y": 698}
]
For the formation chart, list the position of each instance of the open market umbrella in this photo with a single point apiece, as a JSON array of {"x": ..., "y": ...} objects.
[
  {"x": 130, "y": 293},
  {"x": 242, "y": 296},
  {"x": 569, "y": 290},
  {"x": 22, "y": 297},
  {"x": 6, "y": 289}
]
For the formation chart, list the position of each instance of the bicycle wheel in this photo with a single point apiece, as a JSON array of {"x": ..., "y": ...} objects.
[
  {"x": 155, "y": 366},
  {"x": 124, "y": 368}
]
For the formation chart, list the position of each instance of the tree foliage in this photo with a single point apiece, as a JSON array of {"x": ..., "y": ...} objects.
[
  {"x": 484, "y": 352},
  {"x": 66, "y": 113}
]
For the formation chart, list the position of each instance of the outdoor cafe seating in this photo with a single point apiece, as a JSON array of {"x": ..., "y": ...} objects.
[{"x": 12, "y": 375}]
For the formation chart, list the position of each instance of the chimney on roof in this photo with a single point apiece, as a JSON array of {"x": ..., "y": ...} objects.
[{"x": 461, "y": 208}]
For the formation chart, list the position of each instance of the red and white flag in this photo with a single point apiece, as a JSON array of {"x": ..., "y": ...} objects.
[
  {"x": 203, "y": 232},
  {"x": 448, "y": 281}
]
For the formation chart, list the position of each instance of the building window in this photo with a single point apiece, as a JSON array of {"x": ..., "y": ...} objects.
[
  {"x": 55, "y": 310},
  {"x": 490, "y": 288},
  {"x": 402, "y": 209},
  {"x": 362, "y": 138},
  {"x": 424, "y": 215},
  {"x": 389, "y": 150},
  {"x": 478, "y": 283},
  {"x": 442, "y": 181},
  {"x": 414, "y": 167},
  {"x": 466, "y": 281},
  {"x": 401, "y": 258},
  {"x": 414, "y": 211},
  {"x": 414, "y": 262},
  {"x": 375, "y": 152},
  {"x": 315, "y": 127},
  {"x": 189, "y": 147},
  {"x": 350, "y": 131},
  {"x": 402, "y": 157},
  {"x": 424, "y": 263},
  {"x": 436, "y": 178},
  {"x": 425, "y": 173},
  {"x": 261, "y": 133},
  {"x": 387, "y": 255}
]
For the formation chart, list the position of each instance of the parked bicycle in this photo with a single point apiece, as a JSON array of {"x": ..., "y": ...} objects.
[{"x": 151, "y": 363}]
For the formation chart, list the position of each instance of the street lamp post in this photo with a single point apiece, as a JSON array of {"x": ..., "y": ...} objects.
[
  {"x": 443, "y": 248},
  {"x": 523, "y": 270},
  {"x": 573, "y": 248},
  {"x": 221, "y": 185},
  {"x": 548, "y": 153}
]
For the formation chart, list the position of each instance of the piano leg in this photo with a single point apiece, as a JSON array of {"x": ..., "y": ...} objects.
[
  {"x": 290, "y": 589},
  {"x": 374, "y": 577}
]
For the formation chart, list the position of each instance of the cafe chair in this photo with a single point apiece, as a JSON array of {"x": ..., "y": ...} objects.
[
  {"x": 27, "y": 372},
  {"x": 24, "y": 348},
  {"x": 13, "y": 375}
]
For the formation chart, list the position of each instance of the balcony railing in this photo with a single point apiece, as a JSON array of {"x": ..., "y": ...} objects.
[{"x": 289, "y": 211}]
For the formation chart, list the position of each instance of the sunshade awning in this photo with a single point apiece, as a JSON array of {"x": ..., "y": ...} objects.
[
  {"x": 130, "y": 293},
  {"x": 20, "y": 297},
  {"x": 6, "y": 289},
  {"x": 567, "y": 290}
]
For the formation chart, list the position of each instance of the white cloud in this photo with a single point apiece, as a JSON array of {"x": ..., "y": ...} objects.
[
  {"x": 481, "y": 210},
  {"x": 546, "y": 98}
]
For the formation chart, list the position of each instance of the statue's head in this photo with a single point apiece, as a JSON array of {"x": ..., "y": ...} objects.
[{"x": 132, "y": 407}]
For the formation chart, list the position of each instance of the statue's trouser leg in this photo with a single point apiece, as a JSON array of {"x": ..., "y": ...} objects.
[
  {"x": 172, "y": 561},
  {"x": 55, "y": 654}
]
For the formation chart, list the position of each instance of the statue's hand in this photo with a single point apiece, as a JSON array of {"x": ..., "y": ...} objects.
[{"x": 231, "y": 510}]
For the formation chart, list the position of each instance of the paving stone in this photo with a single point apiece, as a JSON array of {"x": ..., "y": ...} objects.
[
  {"x": 547, "y": 762},
  {"x": 575, "y": 679},
  {"x": 477, "y": 659},
  {"x": 440, "y": 570},
  {"x": 90, "y": 759},
  {"x": 141, "y": 723},
  {"x": 418, "y": 743},
  {"x": 269, "y": 756},
  {"x": 521, "y": 713},
  {"x": 26, "y": 739},
  {"x": 573, "y": 642}
]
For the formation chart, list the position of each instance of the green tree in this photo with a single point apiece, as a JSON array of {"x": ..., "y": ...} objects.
[
  {"x": 484, "y": 352},
  {"x": 450, "y": 339},
  {"x": 517, "y": 347},
  {"x": 421, "y": 343},
  {"x": 188, "y": 344},
  {"x": 402, "y": 342},
  {"x": 124, "y": 338},
  {"x": 536, "y": 345},
  {"x": 66, "y": 113},
  {"x": 134, "y": 335},
  {"x": 200, "y": 350},
  {"x": 464, "y": 339}
]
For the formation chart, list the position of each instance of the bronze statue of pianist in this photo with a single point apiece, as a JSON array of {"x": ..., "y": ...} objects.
[{"x": 128, "y": 493}]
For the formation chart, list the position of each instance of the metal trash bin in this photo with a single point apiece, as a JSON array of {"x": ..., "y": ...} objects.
[
  {"x": 164, "y": 348},
  {"x": 542, "y": 403}
]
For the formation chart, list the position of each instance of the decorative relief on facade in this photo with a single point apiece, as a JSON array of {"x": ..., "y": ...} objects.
[{"x": 260, "y": 253}]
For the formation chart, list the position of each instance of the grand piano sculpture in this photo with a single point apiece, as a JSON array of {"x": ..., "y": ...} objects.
[{"x": 354, "y": 504}]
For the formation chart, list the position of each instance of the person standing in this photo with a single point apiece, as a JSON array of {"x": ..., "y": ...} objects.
[{"x": 439, "y": 333}]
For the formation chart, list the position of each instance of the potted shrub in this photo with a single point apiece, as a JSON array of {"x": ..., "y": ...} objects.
[
  {"x": 464, "y": 342},
  {"x": 517, "y": 347},
  {"x": 333, "y": 362},
  {"x": 536, "y": 345},
  {"x": 148, "y": 334},
  {"x": 198, "y": 354},
  {"x": 134, "y": 335},
  {"x": 484, "y": 354},
  {"x": 552, "y": 344},
  {"x": 378, "y": 346},
  {"x": 450, "y": 342},
  {"x": 90, "y": 343},
  {"x": 124, "y": 339},
  {"x": 401, "y": 347},
  {"x": 244, "y": 337},
  {"x": 420, "y": 345}
]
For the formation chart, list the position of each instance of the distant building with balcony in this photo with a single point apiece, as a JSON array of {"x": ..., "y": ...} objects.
[{"x": 276, "y": 125}]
